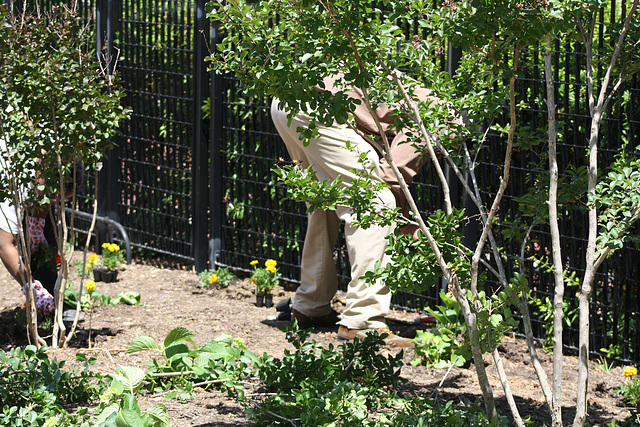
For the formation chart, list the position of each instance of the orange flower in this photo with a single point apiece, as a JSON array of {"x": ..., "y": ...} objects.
[{"x": 58, "y": 259}]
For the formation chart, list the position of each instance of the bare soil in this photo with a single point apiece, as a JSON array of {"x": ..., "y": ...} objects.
[{"x": 172, "y": 298}]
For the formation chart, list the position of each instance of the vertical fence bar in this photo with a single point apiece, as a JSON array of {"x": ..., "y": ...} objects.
[
  {"x": 216, "y": 188},
  {"x": 200, "y": 145},
  {"x": 108, "y": 181}
]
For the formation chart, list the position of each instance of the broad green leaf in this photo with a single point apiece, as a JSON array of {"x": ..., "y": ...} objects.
[
  {"x": 142, "y": 343},
  {"x": 160, "y": 414},
  {"x": 107, "y": 417},
  {"x": 176, "y": 350},
  {"x": 128, "y": 418},
  {"x": 225, "y": 338},
  {"x": 131, "y": 377},
  {"x": 214, "y": 350},
  {"x": 178, "y": 334}
]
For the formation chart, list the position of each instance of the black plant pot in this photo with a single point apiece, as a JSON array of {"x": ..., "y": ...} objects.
[
  {"x": 268, "y": 300},
  {"x": 104, "y": 275},
  {"x": 259, "y": 300}
]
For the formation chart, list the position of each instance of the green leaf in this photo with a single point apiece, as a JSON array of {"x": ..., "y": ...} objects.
[
  {"x": 176, "y": 350},
  {"x": 131, "y": 377},
  {"x": 142, "y": 343},
  {"x": 107, "y": 417},
  {"x": 129, "y": 418},
  {"x": 178, "y": 334},
  {"x": 214, "y": 350},
  {"x": 160, "y": 415}
]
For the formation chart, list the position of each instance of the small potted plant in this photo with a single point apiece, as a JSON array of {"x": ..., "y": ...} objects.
[
  {"x": 106, "y": 268},
  {"x": 265, "y": 279}
]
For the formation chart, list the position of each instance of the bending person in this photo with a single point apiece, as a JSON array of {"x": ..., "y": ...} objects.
[{"x": 366, "y": 306}]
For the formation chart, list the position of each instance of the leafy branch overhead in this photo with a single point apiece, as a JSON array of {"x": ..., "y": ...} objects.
[{"x": 57, "y": 106}]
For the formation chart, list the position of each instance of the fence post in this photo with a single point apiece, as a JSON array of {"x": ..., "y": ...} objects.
[
  {"x": 216, "y": 188},
  {"x": 200, "y": 144},
  {"x": 107, "y": 20}
]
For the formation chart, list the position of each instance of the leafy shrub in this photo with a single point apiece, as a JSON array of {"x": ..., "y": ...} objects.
[
  {"x": 34, "y": 389},
  {"x": 318, "y": 386},
  {"x": 443, "y": 345},
  {"x": 119, "y": 405},
  {"x": 223, "y": 361},
  {"x": 354, "y": 386}
]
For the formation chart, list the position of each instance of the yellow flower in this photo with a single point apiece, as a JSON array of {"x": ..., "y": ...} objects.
[
  {"x": 213, "y": 278},
  {"x": 630, "y": 371},
  {"x": 93, "y": 258},
  {"x": 271, "y": 268},
  {"x": 270, "y": 263},
  {"x": 90, "y": 285},
  {"x": 254, "y": 262},
  {"x": 111, "y": 247}
]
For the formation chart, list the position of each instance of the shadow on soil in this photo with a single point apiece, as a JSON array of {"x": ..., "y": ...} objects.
[{"x": 13, "y": 331}]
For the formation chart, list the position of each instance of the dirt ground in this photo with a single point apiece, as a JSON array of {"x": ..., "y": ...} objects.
[{"x": 172, "y": 298}]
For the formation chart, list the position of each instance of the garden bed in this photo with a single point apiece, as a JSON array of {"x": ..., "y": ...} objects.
[{"x": 172, "y": 298}]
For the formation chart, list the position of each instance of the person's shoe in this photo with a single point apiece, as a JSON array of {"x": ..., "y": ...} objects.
[
  {"x": 390, "y": 339},
  {"x": 284, "y": 305},
  {"x": 305, "y": 322},
  {"x": 284, "y": 316}
]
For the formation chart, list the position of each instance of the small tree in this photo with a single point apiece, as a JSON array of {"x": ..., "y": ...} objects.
[
  {"x": 58, "y": 112},
  {"x": 285, "y": 48}
]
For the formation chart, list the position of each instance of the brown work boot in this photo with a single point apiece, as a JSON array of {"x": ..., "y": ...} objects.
[
  {"x": 305, "y": 322},
  {"x": 390, "y": 340}
]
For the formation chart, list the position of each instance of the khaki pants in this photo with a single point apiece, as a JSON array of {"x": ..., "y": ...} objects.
[{"x": 366, "y": 305}]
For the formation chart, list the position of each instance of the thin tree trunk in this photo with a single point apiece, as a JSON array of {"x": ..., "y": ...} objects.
[
  {"x": 596, "y": 110},
  {"x": 555, "y": 405},
  {"x": 507, "y": 388},
  {"x": 476, "y": 350}
]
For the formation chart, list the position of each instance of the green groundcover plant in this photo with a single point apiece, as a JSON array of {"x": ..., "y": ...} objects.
[
  {"x": 220, "y": 277},
  {"x": 352, "y": 385}
]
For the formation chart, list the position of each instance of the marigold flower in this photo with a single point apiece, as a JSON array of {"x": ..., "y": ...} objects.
[
  {"x": 57, "y": 258},
  {"x": 93, "y": 258},
  {"x": 111, "y": 247},
  {"x": 254, "y": 262},
  {"x": 90, "y": 285},
  {"x": 270, "y": 263},
  {"x": 271, "y": 268},
  {"x": 213, "y": 278},
  {"x": 630, "y": 371}
]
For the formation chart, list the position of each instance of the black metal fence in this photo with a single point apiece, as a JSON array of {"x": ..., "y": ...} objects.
[{"x": 197, "y": 183}]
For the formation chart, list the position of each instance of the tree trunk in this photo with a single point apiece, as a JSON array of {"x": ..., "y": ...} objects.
[{"x": 555, "y": 405}]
